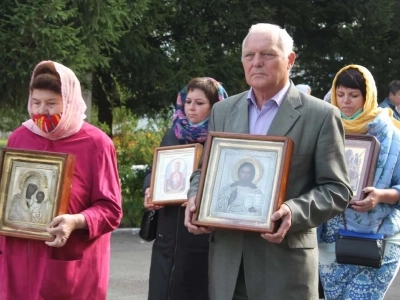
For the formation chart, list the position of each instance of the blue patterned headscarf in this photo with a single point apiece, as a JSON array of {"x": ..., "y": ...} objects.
[{"x": 188, "y": 133}]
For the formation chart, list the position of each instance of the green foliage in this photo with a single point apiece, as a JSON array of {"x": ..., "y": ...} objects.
[
  {"x": 94, "y": 120},
  {"x": 151, "y": 48},
  {"x": 364, "y": 33},
  {"x": 79, "y": 34},
  {"x": 12, "y": 118},
  {"x": 3, "y": 143},
  {"x": 132, "y": 196},
  {"x": 179, "y": 40},
  {"x": 135, "y": 144}
]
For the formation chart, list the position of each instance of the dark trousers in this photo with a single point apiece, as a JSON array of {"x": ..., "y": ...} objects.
[
  {"x": 320, "y": 289},
  {"x": 240, "y": 289}
]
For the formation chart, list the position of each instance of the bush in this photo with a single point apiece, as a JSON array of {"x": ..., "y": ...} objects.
[
  {"x": 11, "y": 118},
  {"x": 132, "y": 196},
  {"x": 3, "y": 143},
  {"x": 135, "y": 146}
]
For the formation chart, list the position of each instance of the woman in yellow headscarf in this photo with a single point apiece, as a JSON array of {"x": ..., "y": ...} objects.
[
  {"x": 354, "y": 93},
  {"x": 369, "y": 109}
]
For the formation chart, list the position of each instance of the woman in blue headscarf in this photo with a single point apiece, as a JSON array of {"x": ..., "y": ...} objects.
[{"x": 179, "y": 261}]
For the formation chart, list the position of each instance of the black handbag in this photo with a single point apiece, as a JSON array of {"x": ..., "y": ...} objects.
[
  {"x": 360, "y": 248},
  {"x": 363, "y": 249},
  {"x": 148, "y": 227}
]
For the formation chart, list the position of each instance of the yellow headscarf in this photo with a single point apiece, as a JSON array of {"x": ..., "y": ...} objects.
[{"x": 370, "y": 109}]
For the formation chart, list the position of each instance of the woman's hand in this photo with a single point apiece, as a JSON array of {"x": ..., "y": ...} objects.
[
  {"x": 147, "y": 205},
  {"x": 373, "y": 198},
  {"x": 62, "y": 226}
]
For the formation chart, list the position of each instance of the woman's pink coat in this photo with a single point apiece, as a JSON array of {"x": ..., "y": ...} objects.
[{"x": 31, "y": 270}]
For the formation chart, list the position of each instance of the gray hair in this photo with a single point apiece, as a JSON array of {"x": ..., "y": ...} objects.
[{"x": 285, "y": 41}]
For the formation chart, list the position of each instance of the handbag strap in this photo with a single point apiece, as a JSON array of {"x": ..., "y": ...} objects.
[
  {"x": 345, "y": 223},
  {"x": 151, "y": 214},
  {"x": 344, "y": 220}
]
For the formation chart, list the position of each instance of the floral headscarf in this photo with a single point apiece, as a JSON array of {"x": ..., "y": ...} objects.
[
  {"x": 74, "y": 106},
  {"x": 184, "y": 131},
  {"x": 370, "y": 109}
]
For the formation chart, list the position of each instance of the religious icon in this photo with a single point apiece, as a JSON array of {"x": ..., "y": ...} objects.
[
  {"x": 176, "y": 175},
  {"x": 243, "y": 181},
  {"x": 362, "y": 154},
  {"x": 172, "y": 167},
  {"x": 242, "y": 196},
  {"x": 35, "y": 187},
  {"x": 30, "y": 203}
]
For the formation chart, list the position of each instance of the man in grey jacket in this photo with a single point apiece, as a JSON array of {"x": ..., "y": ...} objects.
[{"x": 281, "y": 265}]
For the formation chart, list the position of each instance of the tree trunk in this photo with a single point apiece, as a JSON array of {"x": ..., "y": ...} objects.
[{"x": 102, "y": 88}]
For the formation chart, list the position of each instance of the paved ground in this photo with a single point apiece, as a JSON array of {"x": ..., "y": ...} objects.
[{"x": 130, "y": 260}]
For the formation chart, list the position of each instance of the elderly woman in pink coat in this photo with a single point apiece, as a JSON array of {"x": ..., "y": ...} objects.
[{"x": 75, "y": 265}]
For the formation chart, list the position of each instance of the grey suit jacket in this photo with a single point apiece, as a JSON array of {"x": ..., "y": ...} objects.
[{"x": 318, "y": 189}]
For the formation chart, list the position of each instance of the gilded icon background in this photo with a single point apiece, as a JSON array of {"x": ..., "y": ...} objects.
[
  {"x": 240, "y": 174},
  {"x": 31, "y": 196},
  {"x": 35, "y": 187}
]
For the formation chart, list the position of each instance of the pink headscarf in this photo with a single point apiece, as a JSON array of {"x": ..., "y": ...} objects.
[{"x": 74, "y": 106}]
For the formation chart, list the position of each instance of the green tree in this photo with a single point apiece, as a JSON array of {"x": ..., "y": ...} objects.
[
  {"x": 150, "y": 48},
  {"x": 331, "y": 34},
  {"x": 178, "y": 40},
  {"x": 80, "y": 34},
  {"x": 182, "y": 39}
]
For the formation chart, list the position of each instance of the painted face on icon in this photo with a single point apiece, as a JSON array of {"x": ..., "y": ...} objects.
[{"x": 246, "y": 174}]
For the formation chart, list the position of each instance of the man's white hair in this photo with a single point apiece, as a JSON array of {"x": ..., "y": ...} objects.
[{"x": 285, "y": 41}]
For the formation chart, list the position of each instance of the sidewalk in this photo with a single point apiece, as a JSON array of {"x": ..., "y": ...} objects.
[{"x": 130, "y": 262}]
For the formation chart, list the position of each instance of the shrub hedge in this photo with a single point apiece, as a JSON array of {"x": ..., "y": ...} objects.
[{"x": 135, "y": 146}]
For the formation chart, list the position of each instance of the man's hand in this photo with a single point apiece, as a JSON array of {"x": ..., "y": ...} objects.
[
  {"x": 190, "y": 209},
  {"x": 285, "y": 214}
]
